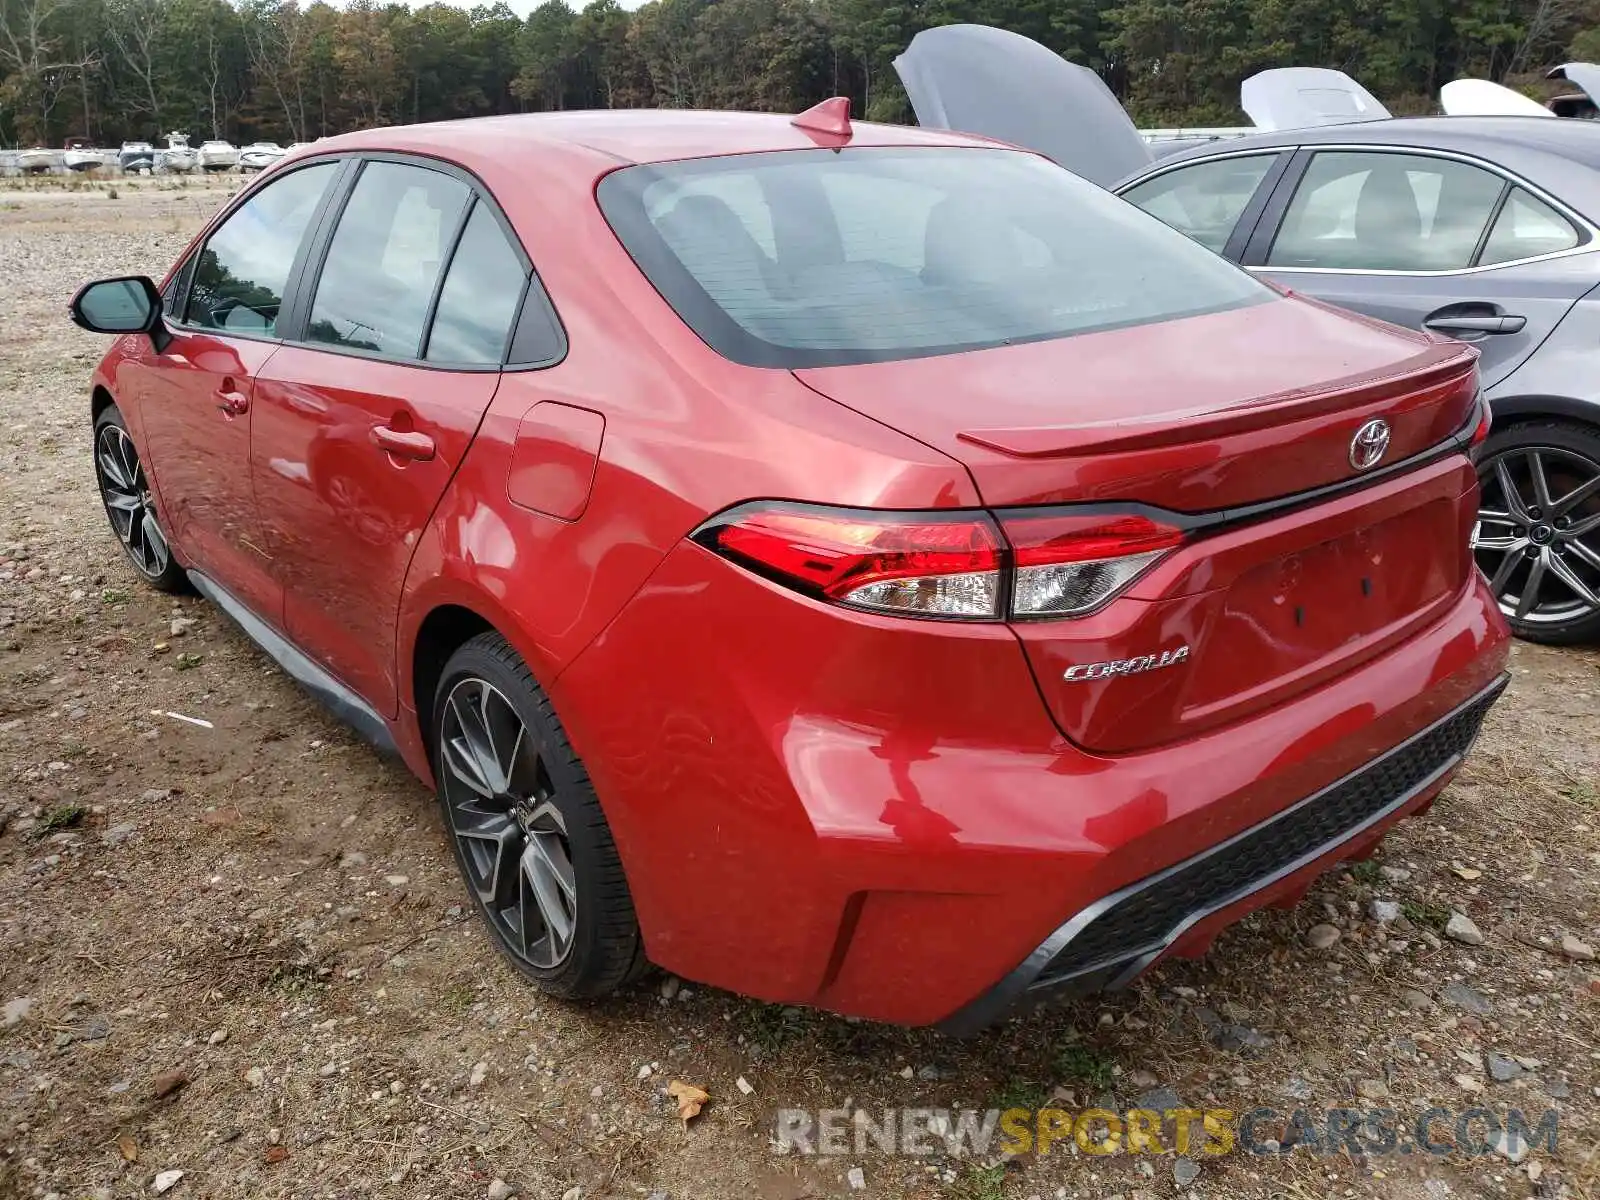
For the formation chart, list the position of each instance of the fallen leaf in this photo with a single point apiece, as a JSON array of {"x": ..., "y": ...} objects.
[
  {"x": 166, "y": 1084},
  {"x": 689, "y": 1098},
  {"x": 275, "y": 1154},
  {"x": 128, "y": 1148},
  {"x": 1467, "y": 872}
]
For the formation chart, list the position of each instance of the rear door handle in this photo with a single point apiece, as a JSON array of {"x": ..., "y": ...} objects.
[
  {"x": 1478, "y": 325},
  {"x": 404, "y": 443}
]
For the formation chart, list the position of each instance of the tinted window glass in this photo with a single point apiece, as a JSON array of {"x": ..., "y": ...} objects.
[
  {"x": 1205, "y": 200},
  {"x": 240, "y": 275},
  {"x": 817, "y": 257},
  {"x": 1527, "y": 226},
  {"x": 385, "y": 258},
  {"x": 1386, "y": 212},
  {"x": 480, "y": 295}
]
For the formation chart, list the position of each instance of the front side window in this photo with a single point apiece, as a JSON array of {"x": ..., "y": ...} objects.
[
  {"x": 1527, "y": 227},
  {"x": 816, "y": 257},
  {"x": 1386, "y": 212},
  {"x": 240, "y": 275},
  {"x": 384, "y": 260},
  {"x": 479, "y": 300},
  {"x": 1206, "y": 200}
]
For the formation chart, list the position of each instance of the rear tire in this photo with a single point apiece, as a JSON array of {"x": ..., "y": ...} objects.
[
  {"x": 1537, "y": 538},
  {"x": 130, "y": 505},
  {"x": 532, "y": 844}
]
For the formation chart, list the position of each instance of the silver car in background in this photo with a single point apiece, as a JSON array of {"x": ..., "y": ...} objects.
[{"x": 1484, "y": 229}]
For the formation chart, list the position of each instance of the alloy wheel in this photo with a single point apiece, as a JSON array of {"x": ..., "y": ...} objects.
[
  {"x": 503, "y": 810},
  {"x": 128, "y": 502},
  {"x": 1537, "y": 536}
]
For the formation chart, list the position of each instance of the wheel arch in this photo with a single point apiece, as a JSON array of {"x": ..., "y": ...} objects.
[
  {"x": 100, "y": 399},
  {"x": 444, "y": 630},
  {"x": 1517, "y": 410}
]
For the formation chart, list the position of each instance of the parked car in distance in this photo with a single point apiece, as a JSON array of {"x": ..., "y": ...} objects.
[
  {"x": 976, "y": 606},
  {"x": 1478, "y": 229},
  {"x": 258, "y": 156}
]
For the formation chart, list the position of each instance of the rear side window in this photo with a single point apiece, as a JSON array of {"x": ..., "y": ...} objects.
[
  {"x": 385, "y": 257},
  {"x": 1206, "y": 200},
  {"x": 816, "y": 257},
  {"x": 1526, "y": 228},
  {"x": 480, "y": 296},
  {"x": 240, "y": 275},
  {"x": 1386, "y": 212}
]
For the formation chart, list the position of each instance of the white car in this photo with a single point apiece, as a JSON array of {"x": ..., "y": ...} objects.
[
  {"x": 216, "y": 156},
  {"x": 258, "y": 156}
]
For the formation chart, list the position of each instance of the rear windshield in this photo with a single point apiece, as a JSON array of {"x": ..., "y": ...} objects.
[{"x": 819, "y": 257}]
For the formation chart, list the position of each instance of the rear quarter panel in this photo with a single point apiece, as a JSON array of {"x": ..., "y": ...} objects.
[{"x": 686, "y": 433}]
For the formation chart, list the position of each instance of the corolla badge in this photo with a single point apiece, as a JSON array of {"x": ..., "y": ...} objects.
[
  {"x": 1126, "y": 666},
  {"x": 1370, "y": 444}
]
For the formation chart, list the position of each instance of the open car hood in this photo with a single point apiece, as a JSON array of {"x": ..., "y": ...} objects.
[
  {"x": 977, "y": 79},
  {"x": 1585, "y": 75},
  {"x": 1307, "y": 97},
  {"x": 1480, "y": 98}
]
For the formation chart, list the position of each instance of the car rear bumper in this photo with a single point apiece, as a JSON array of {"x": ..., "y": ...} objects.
[
  {"x": 879, "y": 817},
  {"x": 1114, "y": 940}
]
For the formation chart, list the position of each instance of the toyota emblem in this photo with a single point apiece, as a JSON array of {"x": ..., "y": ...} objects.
[{"x": 1370, "y": 444}]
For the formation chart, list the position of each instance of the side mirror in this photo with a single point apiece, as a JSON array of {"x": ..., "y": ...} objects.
[{"x": 131, "y": 304}]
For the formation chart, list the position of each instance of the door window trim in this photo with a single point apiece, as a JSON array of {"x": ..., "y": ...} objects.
[
  {"x": 1267, "y": 231},
  {"x": 182, "y": 275},
  {"x": 1250, "y": 215},
  {"x": 534, "y": 300}
]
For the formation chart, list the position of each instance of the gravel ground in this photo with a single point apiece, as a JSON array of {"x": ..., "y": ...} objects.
[{"x": 241, "y": 953}]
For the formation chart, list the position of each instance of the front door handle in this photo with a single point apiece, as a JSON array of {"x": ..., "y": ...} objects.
[
  {"x": 234, "y": 403},
  {"x": 1476, "y": 325},
  {"x": 404, "y": 443}
]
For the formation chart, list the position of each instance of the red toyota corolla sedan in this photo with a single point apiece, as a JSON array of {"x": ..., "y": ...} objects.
[{"x": 855, "y": 566}]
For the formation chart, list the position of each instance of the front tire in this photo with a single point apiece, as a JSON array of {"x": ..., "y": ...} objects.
[
  {"x": 130, "y": 505},
  {"x": 532, "y": 844},
  {"x": 1537, "y": 537}
]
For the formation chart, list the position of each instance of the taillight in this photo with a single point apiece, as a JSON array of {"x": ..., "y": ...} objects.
[
  {"x": 1485, "y": 419},
  {"x": 1069, "y": 564},
  {"x": 918, "y": 564},
  {"x": 950, "y": 565}
]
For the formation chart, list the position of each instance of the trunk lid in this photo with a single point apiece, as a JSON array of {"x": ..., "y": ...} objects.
[
  {"x": 1306, "y": 98},
  {"x": 978, "y": 79},
  {"x": 1481, "y": 98},
  {"x": 1219, "y": 415},
  {"x": 1585, "y": 75}
]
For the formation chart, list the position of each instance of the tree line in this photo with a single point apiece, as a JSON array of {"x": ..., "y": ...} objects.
[{"x": 110, "y": 70}]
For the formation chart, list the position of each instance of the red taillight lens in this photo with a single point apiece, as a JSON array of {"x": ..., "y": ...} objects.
[
  {"x": 917, "y": 564},
  {"x": 1485, "y": 420},
  {"x": 955, "y": 566},
  {"x": 1069, "y": 564}
]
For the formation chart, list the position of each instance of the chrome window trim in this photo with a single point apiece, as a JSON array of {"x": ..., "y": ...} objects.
[
  {"x": 1271, "y": 151},
  {"x": 1588, "y": 229}
]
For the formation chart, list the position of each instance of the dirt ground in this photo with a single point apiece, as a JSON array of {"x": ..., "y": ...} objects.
[{"x": 270, "y": 910}]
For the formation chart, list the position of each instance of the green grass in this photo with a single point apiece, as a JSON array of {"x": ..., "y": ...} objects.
[
  {"x": 188, "y": 662},
  {"x": 1366, "y": 871},
  {"x": 1018, "y": 1092},
  {"x": 458, "y": 998},
  {"x": 771, "y": 1027},
  {"x": 1086, "y": 1065},
  {"x": 981, "y": 1183},
  {"x": 1429, "y": 915},
  {"x": 63, "y": 816}
]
